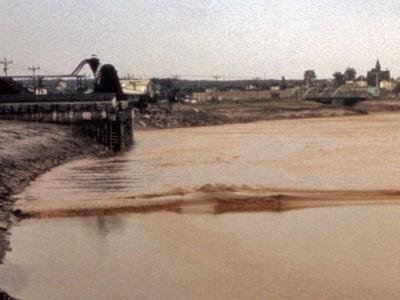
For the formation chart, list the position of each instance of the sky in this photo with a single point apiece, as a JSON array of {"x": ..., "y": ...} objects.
[{"x": 231, "y": 38}]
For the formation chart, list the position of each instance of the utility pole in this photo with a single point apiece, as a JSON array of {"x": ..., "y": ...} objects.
[
  {"x": 257, "y": 81},
  {"x": 378, "y": 91},
  {"x": 174, "y": 92},
  {"x": 33, "y": 69},
  {"x": 216, "y": 77},
  {"x": 5, "y": 64}
]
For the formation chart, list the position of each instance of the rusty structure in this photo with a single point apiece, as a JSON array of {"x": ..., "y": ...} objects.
[{"x": 104, "y": 115}]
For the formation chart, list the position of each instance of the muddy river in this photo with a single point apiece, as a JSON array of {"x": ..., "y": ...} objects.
[{"x": 343, "y": 243}]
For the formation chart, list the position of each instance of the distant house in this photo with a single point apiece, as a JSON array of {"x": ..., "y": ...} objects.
[
  {"x": 361, "y": 83},
  {"x": 241, "y": 95},
  {"x": 41, "y": 91},
  {"x": 250, "y": 87},
  {"x": 275, "y": 88},
  {"x": 376, "y": 75},
  {"x": 137, "y": 87},
  {"x": 388, "y": 85}
]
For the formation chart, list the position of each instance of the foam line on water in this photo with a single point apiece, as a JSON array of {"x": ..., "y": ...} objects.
[{"x": 217, "y": 199}]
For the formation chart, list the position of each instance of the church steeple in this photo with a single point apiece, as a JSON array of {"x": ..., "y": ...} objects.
[{"x": 378, "y": 65}]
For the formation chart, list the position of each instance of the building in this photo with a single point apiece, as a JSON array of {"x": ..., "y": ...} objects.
[
  {"x": 137, "y": 87},
  {"x": 376, "y": 75},
  {"x": 238, "y": 95},
  {"x": 361, "y": 83},
  {"x": 388, "y": 85}
]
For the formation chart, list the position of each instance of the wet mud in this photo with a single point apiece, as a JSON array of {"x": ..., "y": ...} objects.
[{"x": 26, "y": 151}]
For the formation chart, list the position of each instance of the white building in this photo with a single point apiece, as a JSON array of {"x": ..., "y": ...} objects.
[
  {"x": 388, "y": 85},
  {"x": 137, "y": 87}
]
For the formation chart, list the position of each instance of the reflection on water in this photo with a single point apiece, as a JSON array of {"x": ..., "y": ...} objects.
[
  {"x": 104, "y": 226},
  {"x": 323, "y": 253},
  {"x": 337, "y": 253}
]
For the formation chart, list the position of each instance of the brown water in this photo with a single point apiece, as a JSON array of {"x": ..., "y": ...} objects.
[
  {"x": 330, "y": 253},
  {"x": 353, "y": 153}
]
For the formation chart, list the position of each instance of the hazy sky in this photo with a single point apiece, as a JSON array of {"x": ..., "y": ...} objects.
[{"x": 265, "y": 38}]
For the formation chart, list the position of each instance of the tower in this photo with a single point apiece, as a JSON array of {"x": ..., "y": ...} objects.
[{"x": 378, "y": 66}]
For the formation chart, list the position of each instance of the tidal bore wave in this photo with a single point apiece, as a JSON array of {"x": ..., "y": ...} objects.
[{"x": 216, "y": 199}]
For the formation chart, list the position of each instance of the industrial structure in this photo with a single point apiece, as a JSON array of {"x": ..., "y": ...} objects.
[{"x": 105, "y": 114}]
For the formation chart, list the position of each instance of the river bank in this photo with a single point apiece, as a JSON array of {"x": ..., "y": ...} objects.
[
  {"x": 26, "y": 151},
  {"x": 167, "y": 115}
]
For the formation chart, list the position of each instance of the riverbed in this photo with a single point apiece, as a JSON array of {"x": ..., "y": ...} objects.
[{"x": 348, "y": 250}]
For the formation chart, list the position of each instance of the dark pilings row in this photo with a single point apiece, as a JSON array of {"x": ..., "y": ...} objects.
[{"x": 113, "y": 130}]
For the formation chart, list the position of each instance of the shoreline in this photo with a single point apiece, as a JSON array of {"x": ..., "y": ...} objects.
[
  {"x": 163, "y": 116},
  {"x": 28, "y": 150}
]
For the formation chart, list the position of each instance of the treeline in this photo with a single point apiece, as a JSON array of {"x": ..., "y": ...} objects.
[
  {"x": 191, "y": 86},
  {"x": 51, "y": 84}
]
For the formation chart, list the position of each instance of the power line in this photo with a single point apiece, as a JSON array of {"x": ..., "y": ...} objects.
[
  {"x": 5, "y": 63},
  {"x": 33, "y": 69},
  {"x": 198, "y": 76}
]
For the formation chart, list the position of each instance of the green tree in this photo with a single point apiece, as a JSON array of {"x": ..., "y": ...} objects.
[
  {"x": 396, "y": 90},
  {"x": 283, "y": 85},
  {"x": 350, "y": 74},
  {"x": 339, "y": 78},
  {"x": 309, "y": 76}
]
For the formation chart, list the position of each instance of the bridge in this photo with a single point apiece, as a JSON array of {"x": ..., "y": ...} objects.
[
  {"x": 104, "y": 115},
  {"x": 343, "y": 95}
]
